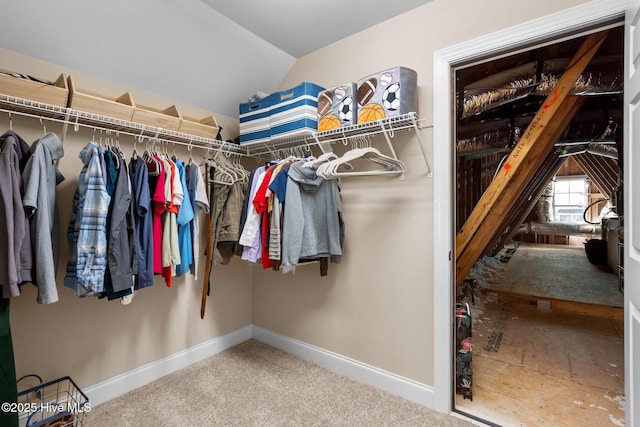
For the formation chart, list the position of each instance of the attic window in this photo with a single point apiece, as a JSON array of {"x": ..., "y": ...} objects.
[{"x": 569, "y": 199}]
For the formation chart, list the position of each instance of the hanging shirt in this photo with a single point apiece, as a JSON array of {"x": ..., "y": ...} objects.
[
  {"x": 312, "y": 227},
  {"x": 250, "y": 237},
  {"x": 41, "y": 175},
  {"x": 219, "y": 195},
  {"x": 278, "y": 188},
  {"x": 156, "y": 186},
  {"x": 229, "y": 225},
  {"x": 199, "y": 200},
  {"x": 110, "y": 175},
  {"x": 122, "y": 253},
  {"x": 170, "y": 249},
  {"x": 88, "y": 260},
  {"x": 143, "y": 218},
  {"x": 261, "y": 205},
  {"x": 184, "y": 218}
]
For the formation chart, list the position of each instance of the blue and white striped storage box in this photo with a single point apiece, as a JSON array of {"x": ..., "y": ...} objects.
[
  {"x": 255, "y": 125},
  {"x": 295, "y": 111}
]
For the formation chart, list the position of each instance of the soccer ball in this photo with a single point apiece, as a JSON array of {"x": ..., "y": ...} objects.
[
  {"x": 345, "y": 109},
  {"x": 391, "y": 97}
]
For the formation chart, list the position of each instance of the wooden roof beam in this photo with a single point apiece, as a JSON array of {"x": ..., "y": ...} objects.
[{"x": 521, "y": 165}]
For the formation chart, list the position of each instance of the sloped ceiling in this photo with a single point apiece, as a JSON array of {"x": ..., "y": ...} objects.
[
  {"x": 206, "y": 53},
  {"x": 301, "y": 27}
]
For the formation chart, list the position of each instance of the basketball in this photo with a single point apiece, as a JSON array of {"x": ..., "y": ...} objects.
[
  {"x": 371, "y": 113},
  {"x": 328, "y": 122}
]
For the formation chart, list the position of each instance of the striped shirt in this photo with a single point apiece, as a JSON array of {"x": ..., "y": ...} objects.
[{"x": 88, "y": 227}]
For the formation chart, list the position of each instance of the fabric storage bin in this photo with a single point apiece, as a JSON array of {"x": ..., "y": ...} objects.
[
  {"x": 295, "y": 111},
  {"x": 337, "y": 107},
  {"x": 254, "y": 121},
  {"x": 389, "y": 93}
]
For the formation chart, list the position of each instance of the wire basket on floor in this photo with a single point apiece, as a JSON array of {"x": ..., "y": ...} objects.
[{"x": 57, "y": 403}]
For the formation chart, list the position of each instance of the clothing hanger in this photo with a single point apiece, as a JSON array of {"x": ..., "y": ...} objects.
[
  {"x": 245, "y": 173},
  {"x": 190, "y": 149},
  {"x": 234, "y": 164},
  {"x": 362, "y": 150},
  {"x": 10, "y": 121},
  {"x": 149, "y": 157},
  {"x": 324, "y": 157},
  {"x": 221, "y": 174},
  {"x": 134, "y": 154},
  {"x": 44, "y": 128},
  {"x": 115, "y": 148}
]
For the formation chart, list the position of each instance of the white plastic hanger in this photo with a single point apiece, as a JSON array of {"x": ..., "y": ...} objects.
[{"x": 390, "y": 165}]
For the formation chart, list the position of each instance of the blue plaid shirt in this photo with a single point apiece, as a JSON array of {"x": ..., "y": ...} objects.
[{"x": 87, "y": 230}]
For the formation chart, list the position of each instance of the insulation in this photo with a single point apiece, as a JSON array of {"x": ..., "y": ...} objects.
[
  {"x": 603, "y": 76},
  {"x": 486, "y": 141},
  {"x": 486, "y": 271},
  {"x": 498, "y": 89}
]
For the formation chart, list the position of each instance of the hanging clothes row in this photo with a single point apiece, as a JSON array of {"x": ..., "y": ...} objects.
[
  {"x": 292, "y": 216},
  {"x": 131, "y": 222},
  {"x": 29, "y": 245}
]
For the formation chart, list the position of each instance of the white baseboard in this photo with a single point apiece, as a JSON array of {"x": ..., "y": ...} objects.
[
  {"x": 392, "y": 383},
  {"x": 127, "y": 381},
  {"x": 130, "y": 380}
]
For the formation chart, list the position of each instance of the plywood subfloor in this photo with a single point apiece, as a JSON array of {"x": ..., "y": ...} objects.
[{"x": 535, "y": 366}]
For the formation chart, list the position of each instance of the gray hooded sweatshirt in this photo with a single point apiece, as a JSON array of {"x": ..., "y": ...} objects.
[
  {"x": 311, "y": 227},
  {"x": 41, "y": 175},
  {"x": 15, "y": 240}
]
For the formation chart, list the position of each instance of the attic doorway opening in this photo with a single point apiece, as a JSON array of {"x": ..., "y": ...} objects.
[{"x": 541, "y": 304}]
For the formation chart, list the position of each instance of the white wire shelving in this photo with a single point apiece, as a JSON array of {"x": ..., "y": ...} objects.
[
  {"x": 76, "y": 118},
  {"x": 323, "y": 140},
  {"x": 387, "y": 127}
]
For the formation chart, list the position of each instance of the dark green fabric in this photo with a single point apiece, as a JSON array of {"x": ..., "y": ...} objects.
[{"x": 8, "y": 388}]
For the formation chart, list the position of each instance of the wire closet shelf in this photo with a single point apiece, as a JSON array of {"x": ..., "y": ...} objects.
[
  {"x": 387, "y": 127},
  {"x": 69, "y": 116}
]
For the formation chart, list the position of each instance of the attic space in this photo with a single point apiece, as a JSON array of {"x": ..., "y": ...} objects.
[
  {"x": 544, "y": 252},
  {"x": 571, "y": 196}
]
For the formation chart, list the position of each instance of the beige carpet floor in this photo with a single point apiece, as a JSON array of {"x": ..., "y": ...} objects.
[{"x": 253, "y": 384}]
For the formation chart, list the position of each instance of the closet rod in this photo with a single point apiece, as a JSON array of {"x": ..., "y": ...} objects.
[{"x": 69, "y": 116}]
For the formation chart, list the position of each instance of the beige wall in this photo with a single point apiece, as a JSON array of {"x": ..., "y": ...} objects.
[
  {"x": 377, "y": 306},
  {"x": 91, "y": 339}
]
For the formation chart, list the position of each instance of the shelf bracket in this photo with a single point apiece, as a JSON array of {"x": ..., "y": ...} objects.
[
  {"x": 65, "y": 126},
  {"x": 388, "y": 137},
  {"x": 426, "y": 161}
]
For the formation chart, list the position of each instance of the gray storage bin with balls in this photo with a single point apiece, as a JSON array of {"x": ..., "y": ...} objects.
[
  {"x": 388, "y": 93},
  {"x": 337, "y": 107},
  {"x": 385, "y": 94}
]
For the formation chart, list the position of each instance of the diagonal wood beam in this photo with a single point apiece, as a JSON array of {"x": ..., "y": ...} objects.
[
  {"x": 510, "y": 194},
  {"x": 526, "y": 203},
  {"x": 533, "y": 147}
]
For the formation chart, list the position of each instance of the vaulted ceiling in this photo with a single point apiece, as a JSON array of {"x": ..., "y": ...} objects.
[{"x": 208, "y": 53}]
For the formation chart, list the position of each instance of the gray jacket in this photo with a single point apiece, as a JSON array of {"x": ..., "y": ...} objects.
[
  {"x": 41, "y": 175},
  {"x": 311, "y": 227},
  {"x": 122, "y": 256},
  {"x": 15, "y": 241}
]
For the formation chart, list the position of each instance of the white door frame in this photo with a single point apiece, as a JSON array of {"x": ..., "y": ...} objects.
[{"x": 556, "y": 26}]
